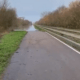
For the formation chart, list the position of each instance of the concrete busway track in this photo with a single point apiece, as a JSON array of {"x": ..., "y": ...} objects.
[{"x": 66, "y": 40}]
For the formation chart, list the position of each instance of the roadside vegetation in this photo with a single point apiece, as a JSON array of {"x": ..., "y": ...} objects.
[
  {"x": 38, "y": 28},
  {"x": 8, "y": 45},
  {"x": 22, "y": 23},
  {"x": 66, "y": 17},
  {"x": 8, "y": 18}
]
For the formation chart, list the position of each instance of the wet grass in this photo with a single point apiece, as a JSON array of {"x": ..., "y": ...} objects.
[
  {"x": 38, "y": 28},
  {"x": 8, "y": 45}
]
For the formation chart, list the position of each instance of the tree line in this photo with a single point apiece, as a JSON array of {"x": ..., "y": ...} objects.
[
  {"x": 67, "y": 17},
  {"x": 9, "y": 19}
]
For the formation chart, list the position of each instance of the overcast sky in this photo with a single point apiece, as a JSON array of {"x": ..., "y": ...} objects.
[{"x": 32, "y": 9}]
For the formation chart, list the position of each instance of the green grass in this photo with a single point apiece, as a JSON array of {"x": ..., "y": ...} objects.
[
  {"x": 40, "y": 29},
  {"x": 8, "y": 45}
]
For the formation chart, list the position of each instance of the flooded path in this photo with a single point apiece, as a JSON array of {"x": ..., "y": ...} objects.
[{"x": 32, "y": 28}]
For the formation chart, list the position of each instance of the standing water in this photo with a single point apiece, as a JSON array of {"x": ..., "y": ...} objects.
[{"x": 32, "y": 28}]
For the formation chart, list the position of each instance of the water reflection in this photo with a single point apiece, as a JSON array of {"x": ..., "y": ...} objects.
[{"x": 32, "y": 28}]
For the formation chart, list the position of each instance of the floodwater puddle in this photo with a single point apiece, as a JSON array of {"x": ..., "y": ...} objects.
[{"x": 32, "y": 28}]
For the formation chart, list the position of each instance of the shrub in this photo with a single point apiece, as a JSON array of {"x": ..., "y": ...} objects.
[
  {"x": 63, "y": 17},
  {"x": 7, "y": 17}
]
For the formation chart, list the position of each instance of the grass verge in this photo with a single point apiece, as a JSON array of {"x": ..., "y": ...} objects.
[
  {"x": 8, "y": 45},
  {"x": 38, "y": 28}
]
